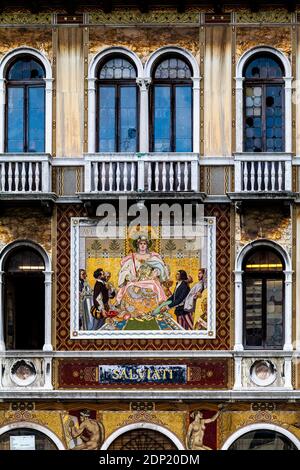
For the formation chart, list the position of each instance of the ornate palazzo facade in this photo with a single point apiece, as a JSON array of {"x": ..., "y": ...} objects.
[{"x": 139, "y": 339}]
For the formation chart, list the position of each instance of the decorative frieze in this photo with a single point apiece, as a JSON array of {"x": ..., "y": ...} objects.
[
  {"x": 152, "y": 17},
  {"x": 280, "y": 15},
  {"x": 21, "y": 17}
]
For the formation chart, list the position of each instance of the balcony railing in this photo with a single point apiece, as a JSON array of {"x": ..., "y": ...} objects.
[
  {"x": 255, "y": 173},
  {"x": 141, "y": 172},
  {"x": 25, "y": 173}
]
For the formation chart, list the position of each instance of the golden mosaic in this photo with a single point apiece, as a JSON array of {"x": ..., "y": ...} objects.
[
  {"x": 37, "y": 37},
  {"x": 144, "y": 40},
  {"x": 174, "y": 421},
  {"x": 278, "y": 37}
]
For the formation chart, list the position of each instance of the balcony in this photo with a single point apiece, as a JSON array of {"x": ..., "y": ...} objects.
[
  {"x": 132, "y": 174},
  {"x": 262, "y": 176},
  {"x": 25, "y": 177}
]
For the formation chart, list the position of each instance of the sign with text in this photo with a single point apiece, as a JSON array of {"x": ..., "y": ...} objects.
[
  {"x": 22, "y": 442},
  {"x": 125, "y": 373},
  {"x": 157, "y": 374}
]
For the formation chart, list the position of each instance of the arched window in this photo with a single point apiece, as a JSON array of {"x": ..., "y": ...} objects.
[
  {"x": 24, "y": 299},
  {"x": 26, "y": 439},
  {"x": 25, "y": 105},
  {"x": 264, "y": 128},
  {"x": 263, "y": 291},
  {"x": 172, "y": 106},
  {"x": 142, "y": 439},
  {"x": 263, "y": 439},
  {"x": 117, "y": 106}
]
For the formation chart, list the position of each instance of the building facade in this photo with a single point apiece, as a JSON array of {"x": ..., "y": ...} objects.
[{"x": 118, "y": 330}]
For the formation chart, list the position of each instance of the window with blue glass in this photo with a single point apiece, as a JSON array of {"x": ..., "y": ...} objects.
[
  {"x": 25, "y": 106},
  {"x": 117, "y": 107},
  {"x": 264, "y": 105},
  {"x": 172, "y": 106}
]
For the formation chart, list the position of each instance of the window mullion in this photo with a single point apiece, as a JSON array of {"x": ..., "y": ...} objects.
[
  {"x": 264, "y": 118},
  {"x": 173, "y": 118},
  {"x": 117, "y": 118},
  {"x": 25, "y": 125},
  {"x": 264, "y": 313}
]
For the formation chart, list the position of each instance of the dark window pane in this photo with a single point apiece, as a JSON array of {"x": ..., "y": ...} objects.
[
  {"x": 274, "y": 312},
  {"x": 128, "y": 119},
  {"x": 264, "y": 67},
  {"x": 253, "y": 307},
  {"x": 36, "y": 119},
  {"x": 263, "y": 260},
  {"x": 274, "y": 107},
  {"x": 263, "y": 108},
  {"x": 162, "y": 119},
  {"x": 26, "y": 69},
  {"x": 253, "y": 122},
  {"x": 117, "y": 68},
  {"x": 183, "y": 127},
  {"x": 173, "y": 68},
  {"x": 107, "y": 120},
  {"x": 263, "y": 439},
  {"x": 15, "y": 119}
]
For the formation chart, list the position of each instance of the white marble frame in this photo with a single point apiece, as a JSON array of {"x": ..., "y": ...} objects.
[
  {"x": 288, "y": 284},
  {"x": 263, "y": 426},
  {"x": 180, "y": 51},
  {"x": 92, "y": 89},
  {"x": 142, "y": 425},
  {"x": 240, "y": 94},
  {"x": 4, "y": 63},
  {"x": 76, "y": 333},
  {"x": 34, "y": 426},
  {"x": 48, "y": 288},
  {"x": 143, "y": 80}
]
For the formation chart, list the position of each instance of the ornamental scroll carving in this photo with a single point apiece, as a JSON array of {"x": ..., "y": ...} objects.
[
  {"x": 271, "y": 16},
  {"x": 153, "y": 17},
  {"x": 21, "y": 17}
]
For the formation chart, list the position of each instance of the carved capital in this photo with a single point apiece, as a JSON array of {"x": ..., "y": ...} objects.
[{"x": 143, "y": 83}]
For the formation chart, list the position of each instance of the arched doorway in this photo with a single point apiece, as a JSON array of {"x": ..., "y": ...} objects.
[
  {"x": 24, "y": 299},
  {"x": 28, "y": 436},
  {"x": 142, "y": 436},
  {"x": 263, "y": 294},
  {"x": 142, "y": 439},
  {"x": 262, "y": 437}
]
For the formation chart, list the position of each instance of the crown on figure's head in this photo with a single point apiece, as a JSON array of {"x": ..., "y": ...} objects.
[{"x": 143, "y": 238}]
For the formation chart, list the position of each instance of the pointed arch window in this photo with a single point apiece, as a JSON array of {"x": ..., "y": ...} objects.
[
  {"x": 264, "y": 104},
  {"x": 172, "y": 105},
  {"x": 25, "y": 106},
  {"x": 117, "y": 106}
]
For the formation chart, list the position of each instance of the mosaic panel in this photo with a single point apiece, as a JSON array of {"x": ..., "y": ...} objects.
[{"x": 222, "y": 341}]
